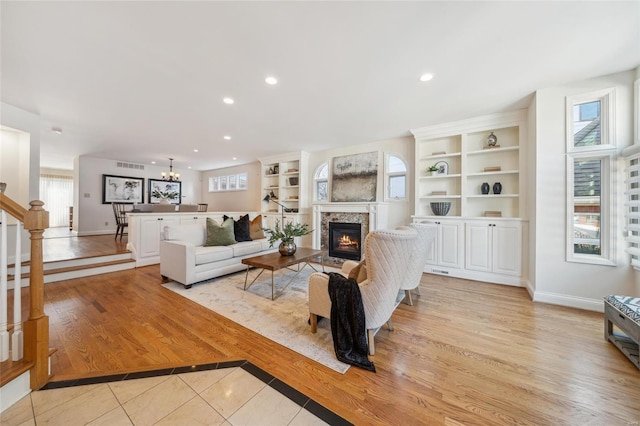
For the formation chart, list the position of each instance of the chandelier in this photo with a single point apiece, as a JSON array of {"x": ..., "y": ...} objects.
[{"x": 172, "y": 176}]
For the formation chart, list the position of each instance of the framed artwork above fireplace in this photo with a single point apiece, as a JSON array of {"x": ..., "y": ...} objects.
[{"x": 355, "y": 178}]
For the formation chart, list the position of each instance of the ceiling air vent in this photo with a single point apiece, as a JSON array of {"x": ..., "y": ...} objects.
[{"x": 126, "y": 165}]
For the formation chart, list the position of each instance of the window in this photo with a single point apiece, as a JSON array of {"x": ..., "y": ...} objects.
[
  {"x": 591, "y": 126},
  {"x": 396, "y": 177},
  {"x": 57, "y": 194},
  {"x": 590, "y": 238},
  {"x": 236, "y": 182},
  {"x": 587, "y": 203},
  {"x": 321, "y": 182}
]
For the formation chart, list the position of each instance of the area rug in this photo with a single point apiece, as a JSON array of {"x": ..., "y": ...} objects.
[{"x": 283, "y": 320}]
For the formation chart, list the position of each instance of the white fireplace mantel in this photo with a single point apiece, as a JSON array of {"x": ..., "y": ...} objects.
[{"x": 378, "y": 215}]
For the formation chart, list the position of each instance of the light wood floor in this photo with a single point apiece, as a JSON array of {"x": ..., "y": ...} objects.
[{"x": 467, "y": 353}]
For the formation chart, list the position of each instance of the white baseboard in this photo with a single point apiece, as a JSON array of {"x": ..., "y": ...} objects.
[
  {"x": 571, "y": 301},
  {"x": 530, "y": 289}
]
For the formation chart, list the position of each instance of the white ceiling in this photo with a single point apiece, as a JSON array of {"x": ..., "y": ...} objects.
[{"x": 144, "y": 81}]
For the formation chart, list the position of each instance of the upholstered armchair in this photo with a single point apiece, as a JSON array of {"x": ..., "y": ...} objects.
[
  {"x": 423, "y": 246},
  {"x": 387, "y": 253}
]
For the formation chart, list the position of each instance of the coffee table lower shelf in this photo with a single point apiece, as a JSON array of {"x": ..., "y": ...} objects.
[{"x": 275, "y": 261}]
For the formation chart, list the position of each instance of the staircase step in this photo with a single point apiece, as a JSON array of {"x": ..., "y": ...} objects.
[
  {"x": 9, "y": 370},
  {"x": 57, "y": 264},
  {"x": 79, "y": 268}
]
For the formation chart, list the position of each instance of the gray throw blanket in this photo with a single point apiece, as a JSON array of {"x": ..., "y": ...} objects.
[{"x": 348, "y": 326}]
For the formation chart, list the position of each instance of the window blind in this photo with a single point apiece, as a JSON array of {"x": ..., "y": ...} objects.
[
  {"x": 57, "y": 194},
  {"x": 632, "y": 208}
]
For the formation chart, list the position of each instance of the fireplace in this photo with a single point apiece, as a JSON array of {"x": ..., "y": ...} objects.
[{"x": 345, "y": 240}]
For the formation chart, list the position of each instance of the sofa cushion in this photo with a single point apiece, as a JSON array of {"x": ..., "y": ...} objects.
[
  {"x": 213, "y": 254},
  {"x": 219, "y": 234},
  {"x": 255, "y": 228},
  {"x": 240, "y": 228},
  {"x": 194, "y": 234},
  {"x": 246, "y": 247},
  {"x": 264, "y": 243}
]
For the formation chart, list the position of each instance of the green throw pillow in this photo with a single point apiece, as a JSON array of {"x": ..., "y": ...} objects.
[{"x": 219, "y": 235}]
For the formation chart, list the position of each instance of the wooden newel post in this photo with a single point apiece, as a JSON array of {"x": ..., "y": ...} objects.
[{"x": 36, "y": 328}]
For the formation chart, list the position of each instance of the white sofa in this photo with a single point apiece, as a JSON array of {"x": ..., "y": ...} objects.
[{"x": 185, "y": 259}]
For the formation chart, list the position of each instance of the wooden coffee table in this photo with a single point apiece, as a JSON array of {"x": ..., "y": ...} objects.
[{"x": 275, "y": 261}]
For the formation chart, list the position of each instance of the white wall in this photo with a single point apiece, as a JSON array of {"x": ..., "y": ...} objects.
[
  {"x": 91, "y": 217},
  {"x": 557, "y": 281},
  {"x": 19, "y": 165},
  {"x": 399, "y": 211},
  {"x": 237, "y": 201},
  {"x": 29, "y": 160}
]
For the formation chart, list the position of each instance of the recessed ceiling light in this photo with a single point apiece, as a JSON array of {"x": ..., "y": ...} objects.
[
  {"x": 153, "y": 162},
  {"x": 235, "y": 158},
  {"x": 195, "y": 150},
  {"x": 189, "y": 167},
  {"x": 271, "y": 80},
  {"x": 56, "y": 130},
  {"x": 426, "y": 77},
  {"x": 227, "y": 138},
  {"x": 228, "y": 101}
]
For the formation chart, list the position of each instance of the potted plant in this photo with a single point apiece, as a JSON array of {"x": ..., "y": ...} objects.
[
  {"x": 286, "y": 234},
  {"x": 433, "y": 170},
  {"x": 164, "y": 196}
]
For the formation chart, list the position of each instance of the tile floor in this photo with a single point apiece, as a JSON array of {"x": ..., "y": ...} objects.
[{"x": 236, "y": 393}]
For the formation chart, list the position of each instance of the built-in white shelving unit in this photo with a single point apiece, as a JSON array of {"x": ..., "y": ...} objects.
[{"x": 483, "y": 235}]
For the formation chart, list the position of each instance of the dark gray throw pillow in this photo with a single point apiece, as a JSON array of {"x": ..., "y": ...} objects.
[{"x": 241, "y": 230}]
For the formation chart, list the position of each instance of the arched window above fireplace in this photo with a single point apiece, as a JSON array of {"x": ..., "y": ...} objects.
[
  {"x": 321, "y": 183},
  {"x": 396, "y": 178}
]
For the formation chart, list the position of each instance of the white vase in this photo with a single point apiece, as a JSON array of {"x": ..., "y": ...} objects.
[{"x": 164, "y": 201}]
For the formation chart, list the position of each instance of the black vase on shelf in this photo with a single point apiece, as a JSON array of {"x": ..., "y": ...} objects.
[
  {"x": 484, "y": 188},
  {"x": 497, "y": 188}
]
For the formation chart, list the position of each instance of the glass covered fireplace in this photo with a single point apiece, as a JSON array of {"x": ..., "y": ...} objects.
[{"x": 345, "y": 240}]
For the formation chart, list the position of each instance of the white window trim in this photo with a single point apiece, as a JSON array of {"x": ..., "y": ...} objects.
[
  {"x": 607, "y": 119},
  {"x": 387, "y": 175},
  {"x": 607, "y": 205}
]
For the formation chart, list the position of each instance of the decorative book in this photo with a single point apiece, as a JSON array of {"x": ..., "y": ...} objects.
[
  {"x": 438, "y": 192},
  {"x": 439, "y": 153},
  {"x": 492, "y": 169},
  {"x": 491, "y": 147},
  {"x": 492, "y": 213}
]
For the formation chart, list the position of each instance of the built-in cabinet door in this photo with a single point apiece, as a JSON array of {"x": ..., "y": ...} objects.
[
  {"x": 450, "y": 236},
  {"x": 192, "y": 220},
  {"x": 152, "y": 228},
  {"x": 507, "y": 248},
  {"x": 494, "y": 247},
  {"x": 478, "y": 246},
  {"x": 446, "y": 249}
]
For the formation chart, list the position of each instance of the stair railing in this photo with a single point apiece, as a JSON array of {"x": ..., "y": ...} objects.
[{"x": 32, "y": 340}]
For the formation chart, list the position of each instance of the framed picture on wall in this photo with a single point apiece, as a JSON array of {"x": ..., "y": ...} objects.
[
  {"x": 122, "y": 189},
  {"x": 164, "y": 190}
]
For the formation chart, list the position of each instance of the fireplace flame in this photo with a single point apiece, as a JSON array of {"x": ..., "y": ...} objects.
[{"x": 346, "y": 243}]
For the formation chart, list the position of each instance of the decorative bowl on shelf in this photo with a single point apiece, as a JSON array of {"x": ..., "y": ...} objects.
[{"x": 440, "y": 208}]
